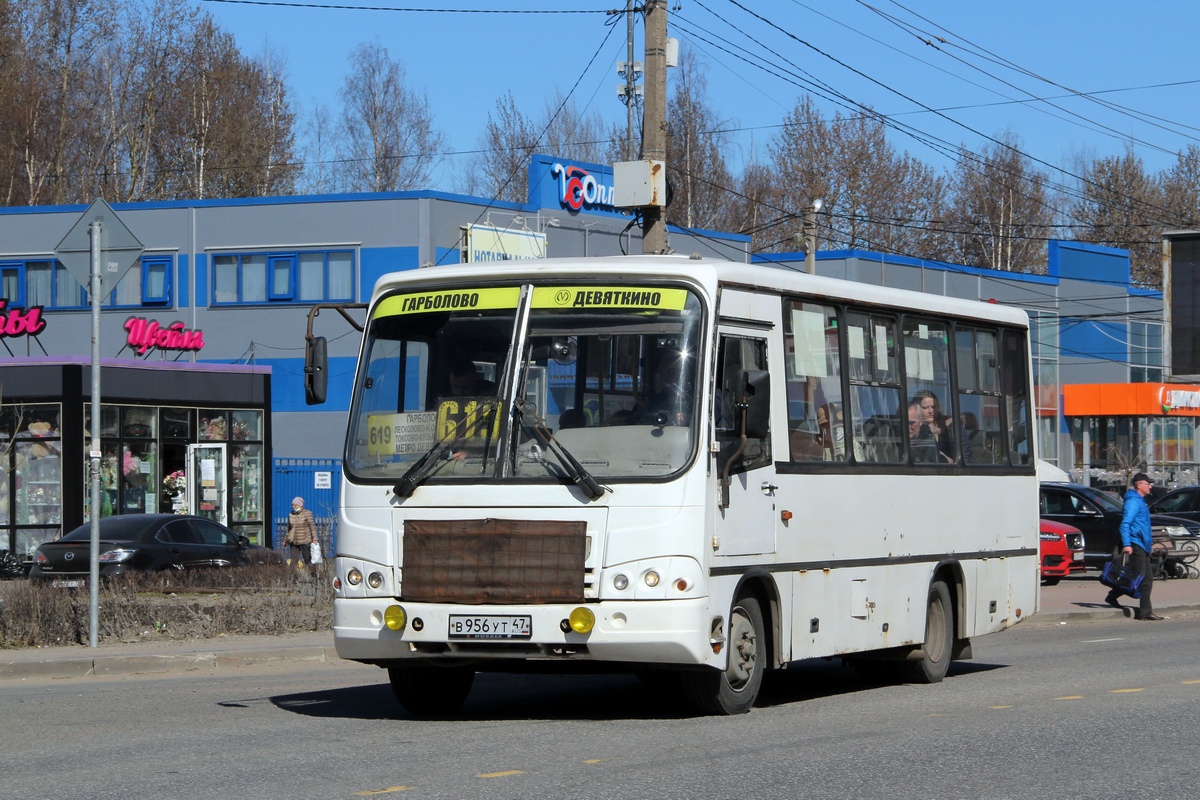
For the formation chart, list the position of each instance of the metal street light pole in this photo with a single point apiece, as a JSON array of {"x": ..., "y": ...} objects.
[{"x": 94, "y": 567}]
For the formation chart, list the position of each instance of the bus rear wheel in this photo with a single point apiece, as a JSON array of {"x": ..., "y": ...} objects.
[
  {"x": 430, "y": 691},
  {"x": 734, "y": 690},
  {"x": 938, "y": 649}
]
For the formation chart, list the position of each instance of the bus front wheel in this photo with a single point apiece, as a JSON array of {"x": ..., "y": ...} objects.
[
  {"x": 734, "y": 690},
  {"x": 430, "y": 691},
  {"x": 938, "y": 649}
]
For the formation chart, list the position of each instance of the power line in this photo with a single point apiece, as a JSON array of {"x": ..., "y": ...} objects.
[{"x": 340, "y": 7}]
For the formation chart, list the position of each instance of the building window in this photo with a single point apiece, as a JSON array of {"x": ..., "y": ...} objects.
[
  {"x": 47, "y": 283},
  {"x": 1145, "y": 352},
  {"x": 273, "y": 278}
]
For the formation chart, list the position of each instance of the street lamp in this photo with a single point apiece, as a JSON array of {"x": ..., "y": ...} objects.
[{"x": 810, "y": 236}]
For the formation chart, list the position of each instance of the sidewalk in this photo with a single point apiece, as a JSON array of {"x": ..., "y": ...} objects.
[{"x": 1072, "y": 600}]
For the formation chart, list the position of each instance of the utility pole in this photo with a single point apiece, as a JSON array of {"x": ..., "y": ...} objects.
[
  {"x": 630, "y": 74},
  {"x": 654, "y": 123}
]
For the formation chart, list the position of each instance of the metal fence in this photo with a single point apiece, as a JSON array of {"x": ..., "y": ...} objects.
[{"x": 317, "y": 480}]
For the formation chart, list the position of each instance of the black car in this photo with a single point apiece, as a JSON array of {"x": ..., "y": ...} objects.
[
  {"x": 1184, "y": 503},
  {"x": 1098, "y": 514},
  {"x": 145, "y": 542}
]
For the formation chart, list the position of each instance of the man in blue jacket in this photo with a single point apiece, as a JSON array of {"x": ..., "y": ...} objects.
[{"x": 1136, "y": 540}]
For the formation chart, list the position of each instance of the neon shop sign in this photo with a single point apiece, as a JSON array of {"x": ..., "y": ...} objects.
[
  {"x": 578, "y": 188},
  {"x": 14, "y": 322},
  {"x": 143, "y": 334}
]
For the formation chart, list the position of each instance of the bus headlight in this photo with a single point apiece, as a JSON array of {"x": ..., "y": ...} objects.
[
  {"x": 354, "y": 577},
  {"x": 651, "y": 579},
  {"x": 394, "y": 618},
  {"x": 374, "y": 580},
  {"x": 582, "y": 619},
  {"x": 621, "y": 582}
]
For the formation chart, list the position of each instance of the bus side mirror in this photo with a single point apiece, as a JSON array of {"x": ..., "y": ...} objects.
[
  {"x": 316, "y": 370},
  {"x": 756, "y": 388}
]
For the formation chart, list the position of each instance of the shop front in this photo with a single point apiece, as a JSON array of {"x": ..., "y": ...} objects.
[
  {"x": 181, "y": 438},
  {"x": 1118, "y": 428}
]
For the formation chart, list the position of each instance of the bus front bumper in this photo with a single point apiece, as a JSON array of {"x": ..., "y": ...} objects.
[{"x": 651, "y": 632}]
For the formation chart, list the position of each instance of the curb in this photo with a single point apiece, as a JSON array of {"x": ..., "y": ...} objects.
[{"x": 113, "y": 666}]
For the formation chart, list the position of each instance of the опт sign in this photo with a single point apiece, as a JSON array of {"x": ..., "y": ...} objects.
[
  {"x": 579, "y": 188},
  {"x": 143, "y": 334},
  {"x": 14, "y": 322}
]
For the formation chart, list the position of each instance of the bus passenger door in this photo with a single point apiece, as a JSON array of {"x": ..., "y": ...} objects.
[{"x": 746, "y": 526}]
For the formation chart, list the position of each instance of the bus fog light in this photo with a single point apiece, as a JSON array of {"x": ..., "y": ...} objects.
[
  {"x": 374, "y": 580},
  {"x": 651, "y": 579},
  {"x": 582, "y": 619},
  {"x": 394, "y": 618},
  {"x": 354, "y": 577},
  {"x": 621, "y": 583}
]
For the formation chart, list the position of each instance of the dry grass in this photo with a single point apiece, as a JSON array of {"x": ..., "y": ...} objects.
[{"x": 268, "y": 599}]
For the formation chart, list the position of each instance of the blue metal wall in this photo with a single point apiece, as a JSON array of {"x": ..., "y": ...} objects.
[{"x": 297, "y": 477}]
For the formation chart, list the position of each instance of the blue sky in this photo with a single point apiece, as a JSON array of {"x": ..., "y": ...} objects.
[{"x": 1139, "y": 56}]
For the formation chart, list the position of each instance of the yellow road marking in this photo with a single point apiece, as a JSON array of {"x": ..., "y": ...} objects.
[
  {"x": 596, "y": 760},
  {"x": 1186, "y": 683},
  {"x": 998, "y": 707},
  {"x": 1126, "y": 691},
  {"x": 503, "y": 774},
  {"x": 371, "y": 792},
  {"x": 1070, "y": 697}
]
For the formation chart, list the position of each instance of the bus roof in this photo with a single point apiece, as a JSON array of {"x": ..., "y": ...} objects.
[{"x": 708, "y": 273}]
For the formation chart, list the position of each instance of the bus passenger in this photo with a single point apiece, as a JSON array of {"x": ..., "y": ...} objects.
[
  {"x": 937, "y": 423},
  {"x": 920, "y": 440},
  {"x": 465, "y": 380}
]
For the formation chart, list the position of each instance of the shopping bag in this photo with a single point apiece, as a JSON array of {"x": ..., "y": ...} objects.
[
  {"x": 1120, "y": 576},
  {"x": 317, "y": 558}
]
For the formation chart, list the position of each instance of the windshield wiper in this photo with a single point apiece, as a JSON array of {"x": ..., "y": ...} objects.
[
  {"x": 579, "y": 476},
  {"x": 417, "y": 472}
]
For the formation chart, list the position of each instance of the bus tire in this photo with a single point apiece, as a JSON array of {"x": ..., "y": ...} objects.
[
  {"x": 430, "y": 691},
  {"x": 937, "y": 651},
  {"x": 734, "y": 690}
]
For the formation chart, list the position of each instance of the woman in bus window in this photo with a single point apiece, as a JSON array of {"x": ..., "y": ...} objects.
[{"x": 939, "y": 424}]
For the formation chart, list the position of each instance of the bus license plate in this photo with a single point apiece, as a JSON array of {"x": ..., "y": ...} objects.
[{"x": 477, "y": 626}]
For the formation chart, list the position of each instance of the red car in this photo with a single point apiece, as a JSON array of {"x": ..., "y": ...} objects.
[{"x": 1061, "y": 550}]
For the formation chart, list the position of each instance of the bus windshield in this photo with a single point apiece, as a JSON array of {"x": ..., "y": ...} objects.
[{"x": 610, "y": 372}]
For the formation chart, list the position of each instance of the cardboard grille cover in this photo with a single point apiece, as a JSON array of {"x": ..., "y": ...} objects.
[{"x": 493, "y": 561}]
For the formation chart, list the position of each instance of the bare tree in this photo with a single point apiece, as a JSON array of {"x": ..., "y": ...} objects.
[
  {"x": 53, "y": 45},
  {"x": 1001, "y": 213},
  {"x": 508, "y": 140},
  {"x": 510, "y": 137},
  {"x": 867, "y": 187},
  {"x": 695, "y": 152},
  {"x": 317, "y": 174},
  {"x": 389, "y": 142},
  {"x": 1119, "y": 204},
  {"x": 1181, "y": 189}
]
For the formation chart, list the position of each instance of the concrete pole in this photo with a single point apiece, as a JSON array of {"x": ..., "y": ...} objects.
[
  {"x": 654, "y": 122},
  {"x": 630, "y": 85}
]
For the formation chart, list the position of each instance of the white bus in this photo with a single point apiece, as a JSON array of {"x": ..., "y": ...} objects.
[{"x": 687, "y": 467}]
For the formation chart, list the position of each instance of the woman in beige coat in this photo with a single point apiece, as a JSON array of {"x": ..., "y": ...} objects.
[{"x": 301, "y": 532}]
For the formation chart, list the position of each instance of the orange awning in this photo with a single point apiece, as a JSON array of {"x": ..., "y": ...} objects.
[{"x": 1131, "y": 400}]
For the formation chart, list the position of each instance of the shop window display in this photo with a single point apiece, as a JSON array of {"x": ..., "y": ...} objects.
[
  {"x": 31, "y": 491},
  {"x": 214, "y": 426}
]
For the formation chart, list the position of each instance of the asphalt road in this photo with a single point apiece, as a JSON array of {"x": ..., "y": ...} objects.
[{"x": 1100, "y": 709}]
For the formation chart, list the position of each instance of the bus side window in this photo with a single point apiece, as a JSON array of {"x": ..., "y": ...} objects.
[
  {"x": 816, "y": 418},
  {"x": 735, "y": 356}
]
